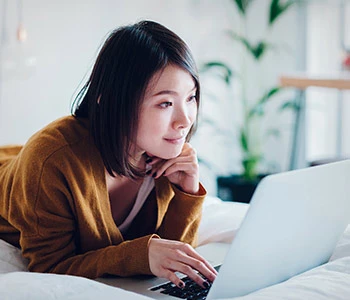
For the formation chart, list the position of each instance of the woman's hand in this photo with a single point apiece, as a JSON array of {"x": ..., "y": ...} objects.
[
  {"x": 182, "y": 170},
  {"x": 166, "y": 257}
]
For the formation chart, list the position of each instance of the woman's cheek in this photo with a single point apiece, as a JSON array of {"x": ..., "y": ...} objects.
[{"x": 193, "y": 114}]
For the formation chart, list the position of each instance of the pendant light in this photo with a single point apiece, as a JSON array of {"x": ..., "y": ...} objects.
[{"x": 17, "y": 60}]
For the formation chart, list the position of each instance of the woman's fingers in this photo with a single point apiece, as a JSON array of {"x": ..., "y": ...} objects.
[
  {"x": 151, "y": 161},
  {"x": 198, "y": 262},
  {"x": 183, "y": 164},
  {"x": 181, "y": 170},
  {"x": 188, "y": 161},
  {"x": 190, "y": 272},
  {"x": 171, "y": 276},
  {"x": 159, "y": 165},
  {"x": 166, "y": 257},
  {"x": 179, "y": 167}
]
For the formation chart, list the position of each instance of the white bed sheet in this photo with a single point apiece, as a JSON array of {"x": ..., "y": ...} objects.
[
  {"x": 37, "y": 286},
  {"x": 330, "y": 281}
]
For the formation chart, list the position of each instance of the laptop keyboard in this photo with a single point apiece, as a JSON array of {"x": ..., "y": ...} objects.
[{"x": 191, "y": 290}]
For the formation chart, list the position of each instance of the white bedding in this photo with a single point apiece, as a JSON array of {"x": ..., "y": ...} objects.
[{"x": 329, "y": 281}]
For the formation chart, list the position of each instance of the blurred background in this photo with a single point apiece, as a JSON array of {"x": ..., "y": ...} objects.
[{"x": 242, "y": 48}]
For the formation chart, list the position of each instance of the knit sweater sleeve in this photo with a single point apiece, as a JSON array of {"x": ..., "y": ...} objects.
[
  {"x": 182, "y": 216},
  {"x": 60, "y": 210},
  {"x": 125, "y": 259}
]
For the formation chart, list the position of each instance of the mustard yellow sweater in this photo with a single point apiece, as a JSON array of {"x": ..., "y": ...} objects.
[{"x": 54, "y": 205}]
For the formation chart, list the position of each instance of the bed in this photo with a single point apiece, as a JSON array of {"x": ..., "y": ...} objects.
[{"x": 329, "y": 281}]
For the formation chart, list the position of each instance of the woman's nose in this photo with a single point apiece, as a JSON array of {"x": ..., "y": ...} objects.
[{"x": 182, "y": 119}]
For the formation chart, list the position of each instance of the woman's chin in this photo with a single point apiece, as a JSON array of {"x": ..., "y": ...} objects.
[{"x": 168, "y": 155}]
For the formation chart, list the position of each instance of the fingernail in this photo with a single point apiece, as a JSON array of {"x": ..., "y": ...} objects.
[
  {"x": 148, "y": 160},
  {"x": 148, "y": 172},
  {"x": 154, "y": 174},
  {"x": 206, "y": 284},
  {"x": 181, "y": 285}
]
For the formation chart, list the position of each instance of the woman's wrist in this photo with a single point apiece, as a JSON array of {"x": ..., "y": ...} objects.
[{"x": 200, "y": 191}]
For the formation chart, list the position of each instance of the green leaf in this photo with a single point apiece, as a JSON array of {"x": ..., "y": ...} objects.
[
  {"x": 291, "y": 104},
  {"x": 257, "y": 50},
  {"x": 258, "y": 109},
  {"x": 244, "y": 141},
  {"x": 273, "y": 91},
  {"x": 242, "y": 5},
  {"x": 250, "y": 164},
  {"x": 277, "y": 9},
  {"x": 225, "y": 72}
]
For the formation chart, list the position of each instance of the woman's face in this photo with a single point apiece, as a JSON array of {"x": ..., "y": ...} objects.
[{"x": 167, "y": 113}]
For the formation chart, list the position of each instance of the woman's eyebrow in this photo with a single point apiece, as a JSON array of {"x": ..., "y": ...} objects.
[
  {"x": 170, "y": 92},
  {"x": 165, "y": 92}
]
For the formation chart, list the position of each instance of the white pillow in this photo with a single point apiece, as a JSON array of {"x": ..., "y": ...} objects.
[
  {"x": 11, "y": 259},
  {"x": 220, "y": 220}
]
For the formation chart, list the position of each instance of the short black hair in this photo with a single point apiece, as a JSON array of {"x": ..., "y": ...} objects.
[{"x": 112, "y": 96}]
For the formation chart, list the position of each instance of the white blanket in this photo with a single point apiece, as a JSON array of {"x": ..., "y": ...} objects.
[
  {"x": 329, "y": 281},
  {"x": 36, "y": 286}
]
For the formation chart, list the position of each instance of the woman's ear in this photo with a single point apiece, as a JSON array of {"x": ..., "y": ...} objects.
[{"x": 98, "y": 99}]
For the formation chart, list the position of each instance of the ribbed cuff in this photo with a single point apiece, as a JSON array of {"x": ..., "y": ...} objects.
[
  {"x": 136, "y": 255},
  {"x": 202, "y": 192}
]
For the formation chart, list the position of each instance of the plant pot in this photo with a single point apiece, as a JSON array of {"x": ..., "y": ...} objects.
[{"x": 236, "y": 188}]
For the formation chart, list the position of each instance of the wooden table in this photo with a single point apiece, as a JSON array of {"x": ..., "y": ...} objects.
[
  {"x": 301, "y": 81},
  {"x": 340, "y": 81}
]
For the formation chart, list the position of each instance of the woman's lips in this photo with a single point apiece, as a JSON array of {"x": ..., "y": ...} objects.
[{"x": 175, "y": 140}]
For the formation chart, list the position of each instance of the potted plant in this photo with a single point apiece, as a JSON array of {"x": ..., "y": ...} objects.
[{"x": 241, "y": 187}]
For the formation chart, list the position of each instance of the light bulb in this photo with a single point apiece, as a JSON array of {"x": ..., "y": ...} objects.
[
  {"x": 16, "y": 59},
  {"x": 21, "y": 33}
]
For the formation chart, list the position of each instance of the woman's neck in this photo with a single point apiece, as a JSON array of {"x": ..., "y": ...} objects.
[
  {"x": 138, "y": 160},
  {"x": 122, "y": 192}
]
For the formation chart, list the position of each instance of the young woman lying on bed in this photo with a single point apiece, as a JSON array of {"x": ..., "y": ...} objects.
[{"x": 114, "y": 188}]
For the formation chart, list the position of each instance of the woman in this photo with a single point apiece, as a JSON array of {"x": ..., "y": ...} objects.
[{"x": 114, "y": 188}]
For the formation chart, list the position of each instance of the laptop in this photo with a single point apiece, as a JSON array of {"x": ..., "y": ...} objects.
[{"x": 293, "y": 224}]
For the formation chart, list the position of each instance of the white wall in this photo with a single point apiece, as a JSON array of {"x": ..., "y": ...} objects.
[
  {"x": 324, "y": 56},
  {"x": 65, "y": 35}
]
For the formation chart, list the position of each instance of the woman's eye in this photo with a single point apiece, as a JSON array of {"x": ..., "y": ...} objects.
[
  {"x": 192, "y": 98},
  {"x": 165, "y": 104}
]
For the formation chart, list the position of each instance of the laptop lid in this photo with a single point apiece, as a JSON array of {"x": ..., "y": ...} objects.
[{"x": 293, "y": 224}]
